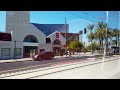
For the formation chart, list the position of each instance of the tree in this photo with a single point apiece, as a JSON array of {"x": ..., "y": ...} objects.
[
  {"x": 100, "y": 33},
  {"x": 115, "y": 34},
  {"x": 91, "y": 35},
  {"x": 95, "y": 46},
  {"x": 75, "y": 46}
]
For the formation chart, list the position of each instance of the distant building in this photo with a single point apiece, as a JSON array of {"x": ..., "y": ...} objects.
[{"x": 70, "y": 36}]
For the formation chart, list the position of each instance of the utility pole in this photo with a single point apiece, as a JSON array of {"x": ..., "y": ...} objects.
[
  {"x": 81, "y": 37},
  {"x": 66, "y": 37},
  {"x": 91, "y": 43},
  {"x": 107, "y": 34},
  {"x": 84, "y": 47},
  {"x": 106, "y": 41},
  {"x": 119, "y": 33},
  {"x": 15, "y": 49}
]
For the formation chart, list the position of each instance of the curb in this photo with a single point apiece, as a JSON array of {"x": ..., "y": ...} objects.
[{"x": 13, "y": 61}]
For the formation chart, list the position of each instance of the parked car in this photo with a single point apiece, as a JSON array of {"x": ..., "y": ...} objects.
[{"x": 44, "y": 56}]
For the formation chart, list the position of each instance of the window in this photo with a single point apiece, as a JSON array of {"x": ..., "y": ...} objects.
[
  {"x": 30, "y": 38},
  {"x": 5, "y": 51},
  {"x": 48, "y": 40},
  {"x": 18, "y": 51},
  {"x": 42, "y": 50},
  {"x": 57, "y": 42}
]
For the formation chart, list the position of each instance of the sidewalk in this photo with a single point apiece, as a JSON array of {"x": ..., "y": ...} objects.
[
  {"x": 16, "y": 60},
  {"x": 56, "y": 58}
]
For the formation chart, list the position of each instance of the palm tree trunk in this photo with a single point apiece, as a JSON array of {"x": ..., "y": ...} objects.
[
  {"x": 116, "y": 43},
  {"x": 91, "y": 47},
  {"x": 102, "y": 46},
  {"x": 119, "y": 44},
  {"x": 107, "y": 45},
  {"x": 91, "y": 43}
]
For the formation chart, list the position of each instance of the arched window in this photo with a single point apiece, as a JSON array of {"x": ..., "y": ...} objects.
[
  {"x": 57, "y": 42},
  {"x": 30, "y": 38}
]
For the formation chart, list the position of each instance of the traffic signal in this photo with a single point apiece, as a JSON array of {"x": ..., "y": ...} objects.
[
  {"x": 80, "y": 32},
  {"x": 85, "y": 30}
]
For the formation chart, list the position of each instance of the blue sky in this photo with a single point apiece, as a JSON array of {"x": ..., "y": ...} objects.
[{"x": 77, "y": 20}]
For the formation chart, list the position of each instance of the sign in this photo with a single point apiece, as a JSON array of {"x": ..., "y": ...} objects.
[{"x": 57, "y": 35}]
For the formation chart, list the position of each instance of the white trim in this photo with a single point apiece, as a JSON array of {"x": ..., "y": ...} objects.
[
  {"x": 53, "y": 33},
  {"x": 30, "y": 44}
]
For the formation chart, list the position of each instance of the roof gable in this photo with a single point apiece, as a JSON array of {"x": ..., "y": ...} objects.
[{"x": 48, "y": 29}]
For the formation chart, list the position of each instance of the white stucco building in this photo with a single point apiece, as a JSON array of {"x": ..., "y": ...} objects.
[{"x": 26, "y": 39}]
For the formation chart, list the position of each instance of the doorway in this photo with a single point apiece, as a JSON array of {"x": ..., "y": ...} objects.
[
  {"x": 57, "y": 50},
  {"x": 29, "y": 51}
]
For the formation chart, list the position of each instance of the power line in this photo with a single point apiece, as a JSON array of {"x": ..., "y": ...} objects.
[
  {"x": 76, "y": 15},
  {"x": 110, "y": 16},
  {"x": 89, "y": 14},
  {"x": 97, "y": 18}
]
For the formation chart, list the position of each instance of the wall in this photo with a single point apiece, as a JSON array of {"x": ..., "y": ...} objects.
[
  {"x": 21, "y": 31},
  {"x": 61, "y": 38},
  {"x": 11, "y": 45},
  {"x": 19, "y": 23},
  {"x": 47, "y": 47}
]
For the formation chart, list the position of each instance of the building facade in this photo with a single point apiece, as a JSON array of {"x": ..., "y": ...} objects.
[
  {"x": 58, "y": 43},
  {"x": 23, "y": 39}
]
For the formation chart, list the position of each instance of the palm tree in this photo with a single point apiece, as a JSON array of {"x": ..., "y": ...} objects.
[
  {"x": 115, "y": 34},
  {"x": 91, "y": 35},
  {"x": 100, "y": 33}
]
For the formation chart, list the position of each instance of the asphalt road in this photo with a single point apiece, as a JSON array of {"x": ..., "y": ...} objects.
[
  {"x": 74, "y": 69},
  {"x": 27, "y": 65}
]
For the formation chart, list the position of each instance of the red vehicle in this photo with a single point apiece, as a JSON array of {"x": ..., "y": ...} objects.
[{"x": 44, "y": 56}]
